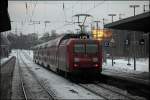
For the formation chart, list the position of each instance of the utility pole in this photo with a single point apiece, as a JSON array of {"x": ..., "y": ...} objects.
[
  {"x": 97, "y": 26},
  {"x": 134, "y": 6},
  {"x": 46, "y": 22},
  {"x": 16, "y": 28},
  {"x": 11, "y": 23},
  {"x": 112, "y": 41},
  {"x": 134, "y": 51},
  {"x": 77, "y": 30},
  {"x": 112, "y": 16},
  {"x": 149, "y": 5},
  {"x": 144, "y": 8},
  {"x": 104, "y": 21},
  {"x": 35, "y": 22}
]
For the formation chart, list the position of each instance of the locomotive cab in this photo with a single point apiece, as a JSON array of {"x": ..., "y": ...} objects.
[{"x": 86, "y": 55}]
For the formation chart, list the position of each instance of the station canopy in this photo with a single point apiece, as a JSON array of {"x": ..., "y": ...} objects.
[{"x": 139, "y": 22}]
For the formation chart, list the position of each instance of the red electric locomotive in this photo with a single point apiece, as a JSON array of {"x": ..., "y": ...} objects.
[{"x": 69, "y": 53}]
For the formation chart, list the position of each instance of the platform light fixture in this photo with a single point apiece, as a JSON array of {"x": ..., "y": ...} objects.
[
  {"x": 134, "y": 6},
  {"x": 112, "y": 16}
]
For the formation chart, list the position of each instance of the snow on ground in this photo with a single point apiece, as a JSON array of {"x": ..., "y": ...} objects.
[
  {"x": 3, "y": 60},
  {"x": 142, "y": 65},
  {"x": 29, "y": 52},
  {"x": 63, "y": 88}
]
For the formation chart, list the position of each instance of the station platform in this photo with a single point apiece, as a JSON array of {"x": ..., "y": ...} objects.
[{"x": 133, "y": 76}]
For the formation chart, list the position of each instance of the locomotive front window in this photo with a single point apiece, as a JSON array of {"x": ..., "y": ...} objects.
[
  {"x": 79, "y": 48},
  {"x": 91, "y": 48}
]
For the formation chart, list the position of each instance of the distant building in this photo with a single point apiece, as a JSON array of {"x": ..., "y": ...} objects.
[{"x": 4, "y": 46}]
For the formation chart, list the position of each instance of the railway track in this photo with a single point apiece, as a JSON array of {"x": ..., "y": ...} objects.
[
  {"x": 50, "y": 93},
  {"x": 21, "y": 79},
  {"x": 113, "y": 89},
  {"x": 107, "y": 93}
]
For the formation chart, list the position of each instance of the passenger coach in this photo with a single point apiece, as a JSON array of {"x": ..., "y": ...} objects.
[{"x": 69, "y": 53}]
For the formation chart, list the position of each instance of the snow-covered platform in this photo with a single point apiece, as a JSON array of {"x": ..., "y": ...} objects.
[
  {"x": 3, "y": 61},
  {"x": 138, "y": 77},
  {"x": 122, "y": 70}
]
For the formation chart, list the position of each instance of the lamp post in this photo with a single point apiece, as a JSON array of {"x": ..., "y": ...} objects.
[
  {"x": 35, "y": 22},
  {"x": 104, "y": 21},
  {"x": 46, "y": 22},
  {"x": 134, "y": 51},
  {"x": 112, "y": 16},
  {"x": 112, "y": 41},
  {"x": 149, "y": 5},
  {"x": 77, "y": 31},
  {"x": 127, "y": 43},
  {"x": 134, "y": 6},
  {"x": 97, "y": 27},
  {"x": 144, "y": 8}
]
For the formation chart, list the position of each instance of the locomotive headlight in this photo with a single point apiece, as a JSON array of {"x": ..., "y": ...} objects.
[
  {"x": 95, "y": 59},
  {"x": 76, "y": 59}
]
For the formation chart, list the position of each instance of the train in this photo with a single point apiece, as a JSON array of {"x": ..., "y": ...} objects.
[{"x": 70, "y": 53}]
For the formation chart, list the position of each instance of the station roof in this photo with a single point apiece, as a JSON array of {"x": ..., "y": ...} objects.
[{"x": 139, "y": 22}]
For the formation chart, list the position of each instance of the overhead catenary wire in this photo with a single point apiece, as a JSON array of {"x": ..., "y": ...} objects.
[
  {"x": 64, "y": 12},
  {"x": 33, "y": 11},
  {"x": 67, "y": 18},
  {"x": 91, "y": 8},
  {"x": 29, "y": 16},
  {"x": 95, "y": 6}
]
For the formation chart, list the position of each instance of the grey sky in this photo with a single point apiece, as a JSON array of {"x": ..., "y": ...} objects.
[{"x": 53, "y": 11}]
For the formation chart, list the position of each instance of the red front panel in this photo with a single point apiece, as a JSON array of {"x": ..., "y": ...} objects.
[{"x": 84, "y": 55}]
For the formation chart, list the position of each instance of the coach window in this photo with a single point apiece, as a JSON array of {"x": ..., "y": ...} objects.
[
  {"x": 91, "y": 48},
  {"x": 79, "y": 48}
]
